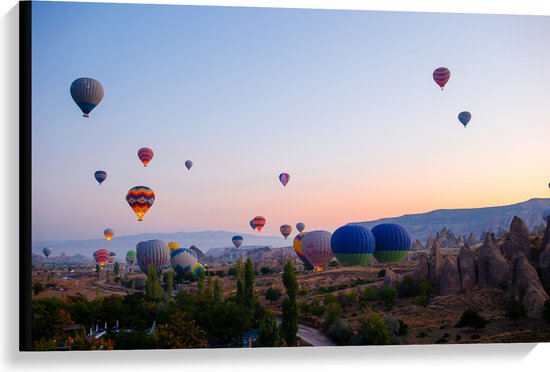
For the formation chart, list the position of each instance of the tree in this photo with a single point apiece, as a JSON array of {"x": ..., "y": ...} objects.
[
  {"x": 249, "y": 283},
  {"x": 347, "y": 299},
  {"x": 209, "y": 293},
  {"x": 181, "y": 333},
  {"x": 372, "y": 331},
  {"x": 239, "y": 275},
  {"x": 273, "y": 294},
  {"x": 265, "y": 270},
  {"x": 96, "y": 272},
  {"x": 49, "y": 316},
  {"x": 200, "y": 282},
  {"x": 152, "y": 285},
  {"x": 218, "y": 291},
  {"x": 44, "y": 345},
  {"x": 387, "y": 294},
  {"x": 342, "y": 333},
  {"x": 37, "y": 287},
  {"x": 170, "y": 284},
  {"x": 115, "y": 269},
  {"x": 514, "y": 310},
  {"x": 333, "y": 313},
  {"x": 269, "y": 330},
  {"x": 470, "y": 318},
  {"x": 289, "y": 323}
]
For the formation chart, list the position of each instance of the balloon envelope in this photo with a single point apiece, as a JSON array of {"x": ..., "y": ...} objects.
[
  {"x": 108, "y": 233},
  {"x": 140, "y": 199},
  {"x": 112, "y": 257},
  {"x": 441, "y": 76},
  {"x": 47, "y": 251},
  {"x": 197, "y": 269},
  {"x": 152, "y": 252},
  {"x": 145, "y": 154},
  {"x": 353, "y": 245},
  {"x": 189, "y": 164},
  {"x": 297, "y": 244},
  {"x": 259, "y": 222},
  {"x": 101, "y": 256},
  {"x": 100, "y": 176},
  {"x": 183, "y": 260},
  {"x": 284, "y": 178},
  {"x": 300, "y": 226},
  {"x": 173, "y": 245},
  {"x": 392, "y": 242},
  {"x": 131, "y": 257},
  {"x": 464, "y": 117},
  {"x": 237, "y": 240},
  {"x": 87, "y": 93},
  {"x": 285, "y": 230},
  {"x": 316, "y": 248},
  {"x": 252, "y": 225}
]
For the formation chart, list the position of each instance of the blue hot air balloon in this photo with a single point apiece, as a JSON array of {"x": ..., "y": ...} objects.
[
  {"x": 47, "y": 251},
  {"x": 353, "y": 245},
  {"x": 100, "y": 176},
  {"x": 252, "y": 224},
  {"x": 464, "y": 117},
  {"x": 183, "y": 260},
  {"x": 392, "y": 242},
  {"x": 237, "y": 240},
  {"x": 87, "y": 93}
]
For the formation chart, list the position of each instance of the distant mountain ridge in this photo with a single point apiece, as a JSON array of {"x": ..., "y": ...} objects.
[{"x": 465, "y": 221}]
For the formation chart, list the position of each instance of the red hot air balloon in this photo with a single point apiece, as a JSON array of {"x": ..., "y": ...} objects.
[
  {"x": 284, "y": 178},
  {"x": 441, "y": 76},
  {"x": 101, "y": 256},
  {"x": 145, "y": 154},
  {"x": 259, "y": 222}
]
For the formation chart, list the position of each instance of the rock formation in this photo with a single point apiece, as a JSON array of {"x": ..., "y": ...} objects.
[
  {"x": 524, "y": 285},
  {"x": 492, "y": 267},
  {"x": 501, "y": 233},
  {"x": 446, "y": 239},
  {"x": 391, "y": 278},
  {"x": 435, "y": 263},
  {"x": 472, "y": 240},
  {"x": 546, "y": 237},
  {"x": 517, "y": 240},
  {"x": 450, "y": 280},
  {"x": 422, "y": 270},
  {"x": 199, "y": 253},
  {"x": 430, "y": 242},
  {"x": 417, "y": 246},
  {"x": 466, "y": 268}
]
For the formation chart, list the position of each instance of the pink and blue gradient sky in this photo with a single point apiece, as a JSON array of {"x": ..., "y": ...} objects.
[{"x": 344, "y": 101}]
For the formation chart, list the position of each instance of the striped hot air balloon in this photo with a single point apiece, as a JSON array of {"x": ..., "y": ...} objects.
[
  {"x": 188, "y": 164},
  {"x": 237, "y": 240},
  {"x": 100, "y": 176},
  {"x": 284, "y": 178},
  {"x": 259, "y": 222},
  {"x": 140, "y": 199},
  {"x": 112, "y": 257},
  {"x": 353, "y": 245},
  {"x": 464, "y": 117},
  {"x": 183, "y": 260},
  {"x": 145, "y": 154},
  {"x": 252, "y": 225},
  {"x": 101, "y": 256},
  {"x": 297, "y": 244},
  {"x": 152, "y": 252},
  {"x": 316, "y": 248},
  {"x": 285, "y": 230},
  {"x": 441, "y": 76},
  {"x": 197, "y": 269},
  {"x": 109, "y": 233},
  {"x": 392, "y": 242},
  {"x": 300, "y": 226},
  {"x": 131, "y": 257},
  {"x": 47, "y": 251},
  {"x": 87, "y": 93},
  {"x": 173, "y": 245}
]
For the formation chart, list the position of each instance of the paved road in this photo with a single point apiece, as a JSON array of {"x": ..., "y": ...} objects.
[{"x": 313, "y": 336}]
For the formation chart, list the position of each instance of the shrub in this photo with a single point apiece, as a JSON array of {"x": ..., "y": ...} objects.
[
  {"x": 514, "y": 310},
  {"x": 475, "y": 337},
  {"x": 458, "y": 337},
  {"x": 421, "y": 300},
  {"x": 408, "y": 288},
  {"x": 329, "y": 299},
  {"x": 370, "y": 294},
  {"x": 470, "y": 318},
  {"x": 273, "y": 294},
  {"x": 387, "y": 294},
  {"x": 342, "y": 332},
  {"x": 265, "y": 270},
  {"x": 382, "y": 273},
  {"x": 421, "y": 334},
  {"x": 372, "y": 331},
  {"x": 403, "y": 328}
]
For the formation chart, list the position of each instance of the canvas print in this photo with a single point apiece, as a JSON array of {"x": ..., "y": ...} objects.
[{"x": 229, "y": 177}]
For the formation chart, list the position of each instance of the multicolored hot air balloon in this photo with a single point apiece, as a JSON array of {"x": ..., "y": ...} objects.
[
  {"x": 131, "y": 257},
  {"x": 87, "y": 93},
  {"x": 173, "y": 245},
  {"x": 112, "y": 257},
  {"x": 237, "y": 241},
  {"x": 197, "y": 269},
  {"x": 183, "y": 260},
  {"x": 353, "y": 245},
  {"x": 284, "y": 178},
  {"x": 101, "y": 256},
  {"x": 145, "y": 154},
  {"x": 152, "y": 252},
  {"x": 140, "y": 199},
  {"x": 100, "y": 176},
  {"x": 259, "y": 222},
  {"x": 47, "y": 251},
  {"x": 252, "y": 225},
  {"x": 300, "y": 226},
  {"x": 441, "y": 76},
  {"x": 392, "y": 242},
  {"x": 297, "y": 244},
  {"x": 464, "y": 117},
  {"x": 108, "y": 233},
  {"x": 285, "y": 230},
  {"x": 188, "y": 164},
  {"x": 316, "y": 248}
]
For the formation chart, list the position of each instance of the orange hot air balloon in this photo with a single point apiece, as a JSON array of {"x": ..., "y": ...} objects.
[
  {"x": 108, "y": 233},
  {"x": 145, "y": 154},
  {"x": 101, "y": 256},
  {"x": 259, "y": 222},
  {"x": 140, "y": 199}
]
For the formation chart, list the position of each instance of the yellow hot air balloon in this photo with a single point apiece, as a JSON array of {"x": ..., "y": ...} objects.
[
  {"x": 108, "y": 233},
  {"x": 173, "y": 245}
]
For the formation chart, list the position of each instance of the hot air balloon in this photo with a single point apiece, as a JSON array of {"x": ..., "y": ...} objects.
[
  {"x": 252, "y": 225},
  {"x": 316, "y": 248},
  {"x": 188, "y": 164},
  {"x": 100, "y": 176},
  {"x": 464, "y": 117},
  {"x": 441, "y": 76},
  {"x": 112, "y": 257},
  {"x": 152, "y": 252},
  {"x": 173, "y": 245},
  {"x": 87, "y": 93},
  {"x": 285, "y": 230},
  {"x": 140, "y": 199},
  {"x": 131, "y": 257},
  {"x": 297, "y": 244},
  {"x": 101, "y": 256},
  {"x": 300, "y": 226},
  {"x": 392, "y": 242},
  {"x": 353, "y": 245},
  {"x": 47, "y": 251},
  {"x": 284, "y": 178},
  {"x": 197, "y": 269},
  {"x": 183, "y": 260},
  {"x": 259, "y": 222},
  {"x": 145, "y": 154},
  {"x": 108, "y": 233},
  {"x": 237, "y": 241}
]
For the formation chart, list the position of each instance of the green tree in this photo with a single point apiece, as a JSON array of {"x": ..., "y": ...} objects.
[
  {"x": 37, "y": 287},
  {"x": 341, "y": 332},
  {"x": 49, "y": 316},
  {"x": 152, "y": 285},
  {"x": 209, "y": 293},
  {"x": 44, "y": 345},
  {"x": 180, "y": 333},
  {"x": 269, "y": 330},
  {"x": 387, "y": 294},
  {"x": 96, "y": 272},
  {"x": 239, "y": 275},
  {"x": 200, "y": 282},
  {"x": 333, "y": 313},
  {"x": 372, "y": 330},
  {"x": 218, "y": 291},
  {"x": 170, "y": 284},
  {"x": 289, "y": 323},
  {"x": 116, "y": 269},
  {"x": 514, "y": 310},
  {"x": 273, "y": 294},
  {"x": 265, "y": 270},
  {"x": 249, "y": 283},
  {"x": 347, "y": 299},
  {"x": 472, "y": 319}
]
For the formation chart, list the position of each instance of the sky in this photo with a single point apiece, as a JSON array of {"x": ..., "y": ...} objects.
[{"x": 344, "y": 101}]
